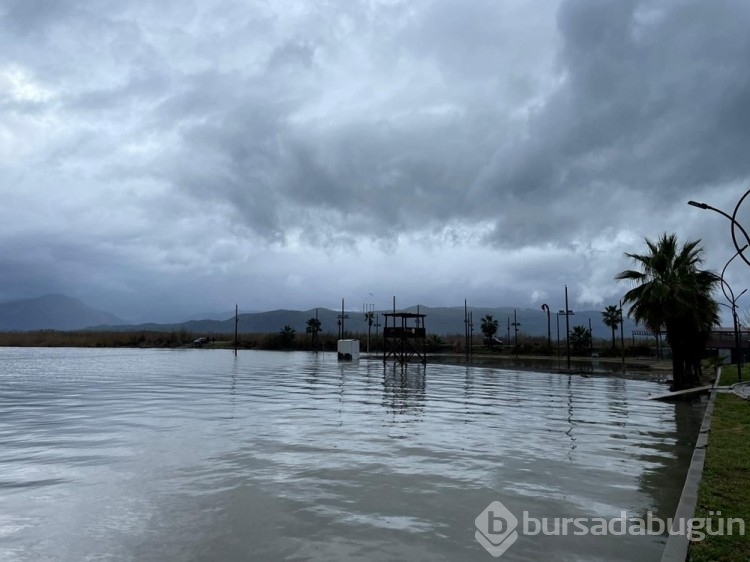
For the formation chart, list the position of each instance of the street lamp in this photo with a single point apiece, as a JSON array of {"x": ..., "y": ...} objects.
[
  {"x": 515, "y": 328},
  {"x": 733, "y": 302},
  {"x": 732, "y": 218},
  {"x": 622, "y": 337},
  {"x": 545, "y": 308},
  {"x": 471, "y": 333},
  {"x": 341, "y": 317},
  {"x": 567, "y": 313},
  {"x": 557, "y": 316}
]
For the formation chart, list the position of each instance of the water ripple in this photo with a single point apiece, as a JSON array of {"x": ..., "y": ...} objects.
[{"x": 198, "y": 455}]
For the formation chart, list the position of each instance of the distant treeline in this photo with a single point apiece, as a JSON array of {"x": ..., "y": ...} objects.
[
  {"x": 285, "y": 340},
  {"x": 174, "y": 339},
  {"x": 57, "y": 338}
]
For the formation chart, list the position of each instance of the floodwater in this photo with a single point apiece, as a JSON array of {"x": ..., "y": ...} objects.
[{"x": 192, "y": 455}]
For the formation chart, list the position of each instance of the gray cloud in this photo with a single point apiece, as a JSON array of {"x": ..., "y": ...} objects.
[{"x": 268, "y": 142}]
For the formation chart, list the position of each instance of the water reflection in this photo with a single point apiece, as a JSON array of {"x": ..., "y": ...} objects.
[
  {"x": 148, "y": 455},
  {"x": 586, "y": 366},
  {"x": 571, "y": 423},
  {"x": 667, "y": 458},
  {"x": 404, "y": 388}
]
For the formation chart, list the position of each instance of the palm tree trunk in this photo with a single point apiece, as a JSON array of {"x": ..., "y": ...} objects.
[
  {"x": 678, "y": 369},
  {"x": 679, "y": 357}
]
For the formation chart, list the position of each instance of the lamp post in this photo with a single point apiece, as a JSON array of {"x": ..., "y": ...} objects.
[
  {"x": 471, "y": 334},
  {"x": 515, "y": 330},
  {"x": 733, "y": 302},
  {"x": 732, "y": 218},
  {"x": 567, "y": 313},
  {"x": 341, "y": 317},
  {"x": 622, "y": 338},
  {"x": 559, "y": 312},
  {"x": 545, "y": 308},
  {"x": 466, "y": 330}
]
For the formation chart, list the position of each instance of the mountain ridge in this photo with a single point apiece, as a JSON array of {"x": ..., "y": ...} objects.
[
  {"x": 52, "y": 312},
  {"x": 59, "y": 312}
]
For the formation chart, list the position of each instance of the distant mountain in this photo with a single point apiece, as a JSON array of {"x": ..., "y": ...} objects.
[
  {"x": 54, "y": 312},
  {"x": 209, "y": 316},
  {"x": 441, "y": 321}
]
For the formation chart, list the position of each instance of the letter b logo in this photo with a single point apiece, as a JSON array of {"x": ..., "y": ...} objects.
[
  {"x": 496, "y": 525},
  {"x": 496, "y": 529}
]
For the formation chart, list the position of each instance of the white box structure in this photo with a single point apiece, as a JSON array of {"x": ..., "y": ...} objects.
[{"x": 348, "y": 350}]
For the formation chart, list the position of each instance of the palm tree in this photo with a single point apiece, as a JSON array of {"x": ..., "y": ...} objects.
[
  {"x": 370, "y": 319},
  {"x": 489, "y": 328},
  {"x": 313, "y": 327},
  {"x": 580, "y": 339},
  {"x": 611, "y": 318},
  {"x": 286, "y": 335},
  {"x": 672, "y": 291}
]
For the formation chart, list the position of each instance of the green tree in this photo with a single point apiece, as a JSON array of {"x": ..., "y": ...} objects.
[
  {"x": 580, "y": 339},
  {"x": 435, "y": 343},
  {"x": 672, "y": 291},
  {"x": 489, "y": 328},
  {"x": 313, "y": 327},
  {"x": 286, "y": 336},
  {"x": 611, "y": 319}
]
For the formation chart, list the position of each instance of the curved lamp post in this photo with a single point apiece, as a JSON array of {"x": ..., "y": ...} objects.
[
  {"x": 622, "y": 337},
  {"x": 733, "y": 219},
  {"x": 545, "y": 308},
  {"x": 733, "y": 306}
]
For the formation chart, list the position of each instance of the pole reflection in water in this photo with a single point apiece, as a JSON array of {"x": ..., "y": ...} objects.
[
  {"x": 149, "y": 455},
  {"x": 404, "y": 388}
]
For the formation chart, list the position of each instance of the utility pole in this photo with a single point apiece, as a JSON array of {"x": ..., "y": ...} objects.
[
  {"x": 341, "y": 317},
  {"x": 466, "y": 330},
  {"x": 622, "y": 337},
  {"x": 236, "y": 322},
  {"x": 471, "y": 334},
  {"x": 567, "y": 326},
  {"x": 515, "y": 330}
]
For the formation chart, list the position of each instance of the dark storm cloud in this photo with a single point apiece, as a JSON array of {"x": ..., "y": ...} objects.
[
  {"x": 213, "y": 138},
  {"x": 657, "y": 84},
  {"x": 646, "y": 95},
  {"x": 28, "y": 16},
  {"x": 649, "y": 99}
]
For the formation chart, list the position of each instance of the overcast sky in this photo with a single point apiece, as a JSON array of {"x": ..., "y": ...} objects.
[{"x": 159, "y": 159}]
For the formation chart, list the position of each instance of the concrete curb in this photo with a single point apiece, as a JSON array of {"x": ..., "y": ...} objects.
[{"x": 676, "y": 549}]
